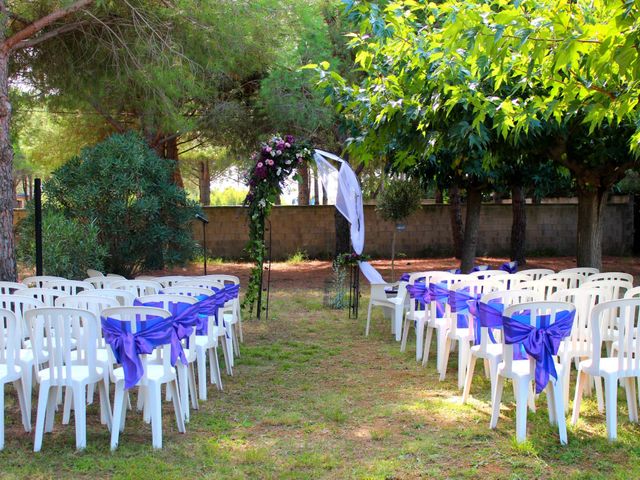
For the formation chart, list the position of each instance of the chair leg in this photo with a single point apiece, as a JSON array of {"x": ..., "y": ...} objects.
[
  {"x": 27, "y": 384},
  {"x": 212, "y": 375},
  {"x": 632, "y": 402},
  {"x": 366, "y": 329},
  {"x": 216, "y": 367},
  {"x": 193, "y": 391},
  {"x": 119, "y": 413},
  {"x": 155, "y": 405},
  {"x": 611, "y": 406},
  {"x": 26, "y": 420},
  {"x": 521, "y": 409},
  {"x": 577, "y": 396},
  {"x": 444, "y": 361},
  {"x": 177, "y": 406},
  {"x": 427, "y": 346},
  {"x": 52, "y": 401},
  {"x": 496, "y": 398},
  {"x": 80, "y": 413},
  {"x": 566, "y": 382},
  {"x": 469, "y": 377},
  {"x": 397, "y": 321},
  {"x": 68, "y": 403},
  {"x": 183, "y": 390},
  {"x": 419, "y": 339},
  {"x": 557, "y": 391},
  {"x": 2, "y": 416},
  {"x": 91, "y": 391},
  {"x": 201, "y": 363},
  {"x": 531, "y": 400},
  {"x": 599, "y": 394},
  {"x": 43, "y": 404},
  {"x": 405, "y": 335},
  {"x": 226, "y": 354},
  {"x": 441, "y": 341},
  {"x": 105, "y": 404},
  {"x": 463, "y": 360}
]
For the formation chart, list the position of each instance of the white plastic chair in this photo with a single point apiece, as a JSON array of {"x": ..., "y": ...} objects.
[
  {"x": 486, "y": 274},
  {"x": 612, "y": 289},
  {"x": 45, "y": 295},
  {"x": 124, "y": 297},
  {"x": 414, "y": 317},
  {"x": 464, "y": 336},
  {"x": 170, "y": 280},
  {"x": 583, "y": 271},
  {"x": 536, "y": 273},
  {"x": 205, "y": 343},
  {"x": 624, "y": 366},
  {"x": 55, "y": 327},
  {"x": 632, "y": 293},
  {"x": 94, "y": 273},
  {"x": 95, "y": 305},
  {"x": 570, "y": 279},
  {"x": 138, "y": 287},
  {"x": 237, "y": 311},
  {"x": 578, "y": 345},
  {"x": 155, "y": 375},
  {"x": 10, "y": 287},
  {"x": 102, "y": 282},
  {"x": 39, "y": 281},
  {"x": 11, "y": 370},
  {"x": 545, "y": 287},
  {"x": 392, "y": 305},
  {"x": 186, "y": 373},
  {"x": 485, "y": 349},
  {"x": 522, "y": 373},
  {"x": 511, "y": 281},
  {"x": 69, "y": 287}
]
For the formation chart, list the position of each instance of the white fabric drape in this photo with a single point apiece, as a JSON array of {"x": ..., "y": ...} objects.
[{"x": 343, "y": 188}]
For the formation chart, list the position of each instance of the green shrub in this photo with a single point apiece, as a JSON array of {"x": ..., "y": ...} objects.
[
  {"x": 69, "y": 246},
  {"x": 126, "y": 189},
  {"x": 398, "y": 200}
]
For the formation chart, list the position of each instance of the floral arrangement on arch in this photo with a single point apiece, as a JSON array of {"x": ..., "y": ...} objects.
[{"x": 276, "y": 160}]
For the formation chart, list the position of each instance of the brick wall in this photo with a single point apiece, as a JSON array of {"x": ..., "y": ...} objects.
[{"x": 551, "y": 230}]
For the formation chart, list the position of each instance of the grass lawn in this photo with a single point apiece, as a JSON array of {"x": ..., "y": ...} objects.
[{"x": 313, "y": 398}]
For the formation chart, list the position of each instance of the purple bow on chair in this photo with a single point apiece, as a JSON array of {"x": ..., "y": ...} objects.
[
  {"x": 404, "y": 277},
  {"x": 459, "y": 303},
  {"x": 510, "y": 267},
  {"x": 487, "y": 315},
  {"x": 183, "y": 320},
  {"x": 127, "y": 347},
  {"x": 439, "y": 294},
  {"x": 419, "y": 292},
  {"x": 541, "y": 343}
]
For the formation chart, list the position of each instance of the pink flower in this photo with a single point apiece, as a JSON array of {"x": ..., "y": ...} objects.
[
  {"x": 260, "y": 165},
  {"x": 269, "y": 162}
]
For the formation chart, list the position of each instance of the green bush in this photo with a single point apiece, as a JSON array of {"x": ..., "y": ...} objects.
[
  {"x": 69, "y": 246},
  {"x": 123, "y": 187},
  {"x": 398, "y": 200}
]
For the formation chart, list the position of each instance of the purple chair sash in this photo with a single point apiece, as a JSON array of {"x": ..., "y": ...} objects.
[
  {"x": 459, "y": 303},
  {"x": 541, "y": 343},
  {"x": 183, "y": 321},
  {"x": 480, "y": 268},
  {"x": 404, "y": 277},
  {"x": 439, "y": 294},
  {"x": 128, "y": 347},
  {"x": 487, "y": 315},
  {"x": 419, "y": 293},
  {"x": 510, "y": 267}
]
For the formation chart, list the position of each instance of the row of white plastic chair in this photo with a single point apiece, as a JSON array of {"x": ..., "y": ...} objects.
[{"x": 29, "y": 304}]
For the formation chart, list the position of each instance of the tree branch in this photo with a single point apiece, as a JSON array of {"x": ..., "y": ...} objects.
[
  {"x": 30, "y": 30},
  {"x": 32, "y": 42}
]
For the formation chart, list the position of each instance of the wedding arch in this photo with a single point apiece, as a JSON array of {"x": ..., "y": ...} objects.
[{"x": 274, "y": 163}]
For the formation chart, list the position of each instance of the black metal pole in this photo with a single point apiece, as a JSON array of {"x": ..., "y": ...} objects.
[
  {"x": 266, "y": 316},
  {"x": 204, "y": 246},
  {"x": 37, "y": 187}
]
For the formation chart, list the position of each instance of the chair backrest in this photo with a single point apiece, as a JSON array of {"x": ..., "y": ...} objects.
[
  {"x": 19, "y": 304},
  {"x": 506, "y": 298},
  {"x": 45, "y": 295},
  {"x": 584, "y": 299},
  {"x": 226, "y": 279},
  {"x": 39, "y": 281},
  {"x": 536, "y": 273},
  {"x": 612, "y": 289},
  {"x": 632, "y": 293},
  {"x": 511, "y": 281},
  {"x": 201, "y": 282},
  {"x": 56, "y": 328},
  {"x": 584, "y": 271},
  {"x": 138, "y": 287},
  {"x": 569, "y": 279},
  {"x": 94, "y": 303},
  {"x": 69, "y": 287},
  {"x": 115, "y": 275},
  {"x": 168, "y": 299},
  {"x": 534, "y": 310},
  {"x": 9, "y": 340},
  {"x": 484, "y": 274},
  {"x": 625, "y": 315},
  {"x": 186, "y": 290},
  {"x": 10, "y": 287},
  {"x": 94, "y": 273},
  {"x": 135, "y": 317},
  {"x": 124, "y": 298},
  {"x": 170, "y": 280},
  {"x": 545, "y": 286},
  {"x": 102, "y": 282},
  {"x": 597, "y": 277}
]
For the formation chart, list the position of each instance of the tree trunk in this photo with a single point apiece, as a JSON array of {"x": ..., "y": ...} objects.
[
  {"x": 325, "y": 199},
  {"x": 303, "y": 185},
  {"x": 438, "y": 196},
  {"x": 591, "y": 203},
  {"x": 171, "y": 153},
  {"x": 8, "y": 268},
  {"x": 393, "y": 253},
  {"x": 518, "y": 224},
  {"x": 455, "y": 215},
  {"x": 472, "y": 222},
  {"x": 204, "y": 184}
]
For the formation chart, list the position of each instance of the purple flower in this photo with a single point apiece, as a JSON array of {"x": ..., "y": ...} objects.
[
  {"x": 267, "y": 149},
  {"x": 280, "y": 145},
  {"x": 289, "y": 139}
]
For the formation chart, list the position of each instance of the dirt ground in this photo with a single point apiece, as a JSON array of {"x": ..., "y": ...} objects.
[{"x": 313, "y": 274}]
